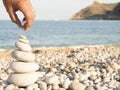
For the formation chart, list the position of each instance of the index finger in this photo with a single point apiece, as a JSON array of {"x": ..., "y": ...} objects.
[{"x": 28, "y": 12}]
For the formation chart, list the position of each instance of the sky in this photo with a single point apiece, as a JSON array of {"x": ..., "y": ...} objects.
[{"x": 54, "y": 9}]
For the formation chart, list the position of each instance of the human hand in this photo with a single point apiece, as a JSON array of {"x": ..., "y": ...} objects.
[{"x": 12, "y": 6}]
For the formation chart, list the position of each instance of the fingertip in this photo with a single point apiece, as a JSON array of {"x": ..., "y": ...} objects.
[
  {"x": 27, "y": 25},
  {"x": 26, "y": 29}
]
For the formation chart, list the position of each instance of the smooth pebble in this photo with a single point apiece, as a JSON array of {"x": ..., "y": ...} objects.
[
  {"x": 23, "y": 56},
  {"x": 23, "y": 67},
  {"x": 23, "y": 46},
  {"x": 24, "y": 79}
]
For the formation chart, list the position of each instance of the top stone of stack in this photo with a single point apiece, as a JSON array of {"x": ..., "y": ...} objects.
[{"x": 23, "y": 44}]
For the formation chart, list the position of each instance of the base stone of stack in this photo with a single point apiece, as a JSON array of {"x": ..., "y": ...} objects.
[{"x": 23, "y": 80}]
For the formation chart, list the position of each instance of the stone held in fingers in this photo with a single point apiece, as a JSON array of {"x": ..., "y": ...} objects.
[
  {"x": 23, "y": 56},
  {"x": 23, "y": 67},
  {"x": 24, "y": 79}
]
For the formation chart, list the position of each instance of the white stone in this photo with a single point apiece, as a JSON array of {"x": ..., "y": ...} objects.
[
  {"x": 55, "y": 87},
  {"x": 54, "y": 70},
  {"x": 100, "y": 88},
  {"x": 52, "y": 80},
  {"x": 21, "y": 89},
  {"x": 61, "y": 89},
  {"x": 40, "y": 74},
  {"x": 43, "y": 86},
  {"x": 89, "y": 88},
  {"x": 3, "y": 76},
  {"x": 115, "y": 66},
  {"x": 9, "y": 87},
  {"x": 111, "y": 84},
  {"x": 37, "y": 89},
  {"x": 23, "y": 39},
  {"x": 1, "y": 87},
  {"x": 23, "y": 79},
  {"x": 76, "y": 85},
  {"x": 61, "y": 67},
  {"x": 66, "y": 83},
  {"x": 49, "y": 74},
  {"x": 23, "y": 67},
  {"x": 23, "y": 56},
  {"x": 32, "y": 87},
  {"x": 23, "y": 46},
  {"x": 62, "y": 78}
]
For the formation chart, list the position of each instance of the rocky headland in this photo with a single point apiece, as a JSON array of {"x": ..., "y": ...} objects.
[
  {"x": 93, "y": 67},
  {"x": 99, "y": 11}
]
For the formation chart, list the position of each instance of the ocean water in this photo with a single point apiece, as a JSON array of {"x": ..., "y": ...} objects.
[{"x": 62, "y": 33}]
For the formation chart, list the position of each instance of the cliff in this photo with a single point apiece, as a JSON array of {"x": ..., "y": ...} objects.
[{"x": 99, "y": 11}]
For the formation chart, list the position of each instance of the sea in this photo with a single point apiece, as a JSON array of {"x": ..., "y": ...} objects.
[{"x": 55, "y": 33}]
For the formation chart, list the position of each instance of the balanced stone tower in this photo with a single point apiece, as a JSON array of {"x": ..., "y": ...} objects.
[{"x": 24, "y": 67}]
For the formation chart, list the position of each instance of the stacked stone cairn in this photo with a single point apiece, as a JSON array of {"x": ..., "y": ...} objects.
[{"x": 24, "y": 68}]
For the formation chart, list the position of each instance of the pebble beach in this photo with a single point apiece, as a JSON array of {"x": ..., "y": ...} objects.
[{"x": 88, "y": 67}]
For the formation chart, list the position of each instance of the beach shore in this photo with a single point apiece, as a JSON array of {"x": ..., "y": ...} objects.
[{"x": 88, "y": 67}]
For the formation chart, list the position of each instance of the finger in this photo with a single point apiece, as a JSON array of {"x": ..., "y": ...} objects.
[
  {"x": 29, "y": 18},
  {"x": 28, "y": 24},
  {"x": 29, "y": 15},
  {"x": 14, "y": 17},
  {"x": 11, "y": 14}
]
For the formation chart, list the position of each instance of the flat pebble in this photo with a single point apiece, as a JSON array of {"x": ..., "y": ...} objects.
[
  {"x": 23, "y": 56},
  {"x": 23, "y": 46},
  {"x": 37, "y": 89},
  {"x": 89, "y": 88},
  {"x": 55, "y": 86},
  {"x": 1, "y": 87},
  {"x": 32, "y": 87},
  {"x": 52, "y": 79},
  {"x": 21, "y": 89},
  {"x": 9, "y": 87},
  {"x": 66, "y": 83},
  {"x": 76, "y": 85},
  {"x": 24, "y": 79},
  {"x": 42, "y": 86},
  {"x": 23, "y": 67},
  {"x": 61, "y": 89}
]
